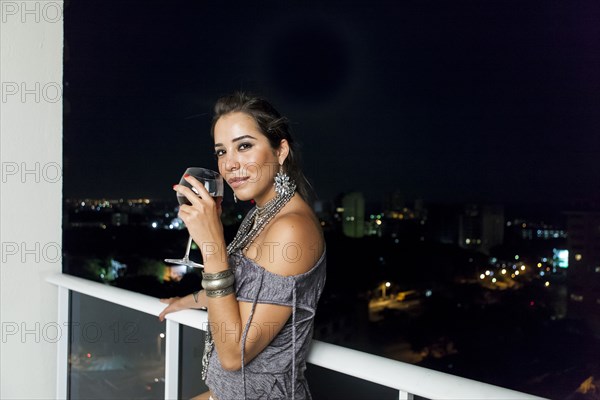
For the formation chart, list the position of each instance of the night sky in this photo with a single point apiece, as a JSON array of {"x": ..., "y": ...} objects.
[{"x": 491, "y": 101}]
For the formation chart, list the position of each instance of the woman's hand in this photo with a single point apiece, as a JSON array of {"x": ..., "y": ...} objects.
[
  {"x": 197, "y": 300},
  {"x": 202, "y": 218},
  {"x": 174, "y": 304}
]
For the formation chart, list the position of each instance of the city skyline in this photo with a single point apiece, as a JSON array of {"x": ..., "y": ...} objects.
[
  {"x": 439, "y": 293},
  {"x": 457, "y": 102}
]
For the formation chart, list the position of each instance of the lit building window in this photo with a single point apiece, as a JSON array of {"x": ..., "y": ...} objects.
[{"x": 576, "y": 297}]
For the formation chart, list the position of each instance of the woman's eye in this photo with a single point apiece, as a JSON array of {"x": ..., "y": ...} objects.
[
  {"x": 244, "y": 146},
  {"x": 219, "y": 153}
]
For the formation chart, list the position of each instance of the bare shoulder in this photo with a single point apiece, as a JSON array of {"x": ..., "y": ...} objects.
[{"x": 294, "y": 242}]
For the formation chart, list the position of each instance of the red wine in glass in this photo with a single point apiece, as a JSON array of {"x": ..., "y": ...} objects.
[{"x": 213, "y": 182}]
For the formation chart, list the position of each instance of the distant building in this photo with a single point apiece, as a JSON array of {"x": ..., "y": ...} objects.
[
  {"x": 324, "y": 211},
  {"x": 353, "y": 223},
  {"x": 399, "y": 220},
  {"x": 470, "y": 228},
  {"x": 583, "y": 243},
  {"x": 492, "y": 222},
  {"x": 481, "y": 227},
  {"x": 393, "y": 201},
  {"x": 405, "y": 224},
  {"x": 519, "y": 229},
  {"x": 119, "y": 218},
  {"x": 442, "y": 223}
]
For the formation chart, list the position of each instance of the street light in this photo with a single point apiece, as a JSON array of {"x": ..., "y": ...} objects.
[{"x": 384, "y": 286}]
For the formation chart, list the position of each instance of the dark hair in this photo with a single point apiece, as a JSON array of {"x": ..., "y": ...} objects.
[{"x": 273, "y": 126}]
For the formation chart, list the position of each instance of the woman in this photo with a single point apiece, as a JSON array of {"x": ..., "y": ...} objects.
[{"x": 262, "y": 290}]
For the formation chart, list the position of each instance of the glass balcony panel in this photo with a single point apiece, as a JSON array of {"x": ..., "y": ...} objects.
[
  {"x": 115, "y": 352},
  {"x": 328, "y": 384},
  {"x": 191, "y": 349}
]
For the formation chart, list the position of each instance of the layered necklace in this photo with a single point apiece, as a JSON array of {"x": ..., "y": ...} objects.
[
  {"x": 258, "y": 218},
  {"x": 256, "y": 221}
]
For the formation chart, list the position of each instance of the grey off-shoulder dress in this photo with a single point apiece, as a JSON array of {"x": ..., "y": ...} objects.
[{"x": 278, "y": 371}]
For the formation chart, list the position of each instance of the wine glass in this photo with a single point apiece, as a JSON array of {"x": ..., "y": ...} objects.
[{"x": 213, "y": 182}]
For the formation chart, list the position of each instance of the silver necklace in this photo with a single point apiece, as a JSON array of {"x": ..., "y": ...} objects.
[{"x": 258, "y": 219}]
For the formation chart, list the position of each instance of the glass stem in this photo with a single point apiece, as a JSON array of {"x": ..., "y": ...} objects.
[{"x": 189, "y": 247}]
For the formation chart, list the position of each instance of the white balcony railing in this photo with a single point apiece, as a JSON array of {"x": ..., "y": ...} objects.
[{"x": 407, "y": 379}]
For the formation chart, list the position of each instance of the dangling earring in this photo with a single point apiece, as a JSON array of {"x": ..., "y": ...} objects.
[
  {"x": 283, "y": 186},
  {"x": 234, "y": 198}
]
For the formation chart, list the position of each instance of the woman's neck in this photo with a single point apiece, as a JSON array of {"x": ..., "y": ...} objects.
[{"x": 262, "y": 201}]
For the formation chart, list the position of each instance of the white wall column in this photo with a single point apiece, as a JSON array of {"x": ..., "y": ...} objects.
[{"x": 31, "y": 58}]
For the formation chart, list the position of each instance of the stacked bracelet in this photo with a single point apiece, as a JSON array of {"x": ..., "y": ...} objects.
[{"x": 219, "y": 284}]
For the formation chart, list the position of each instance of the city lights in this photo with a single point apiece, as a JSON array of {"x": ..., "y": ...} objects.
[{"x": 496, "y": 273}]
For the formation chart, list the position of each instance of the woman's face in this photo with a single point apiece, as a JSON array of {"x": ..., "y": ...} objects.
[{"x": 246, "y": 159}]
